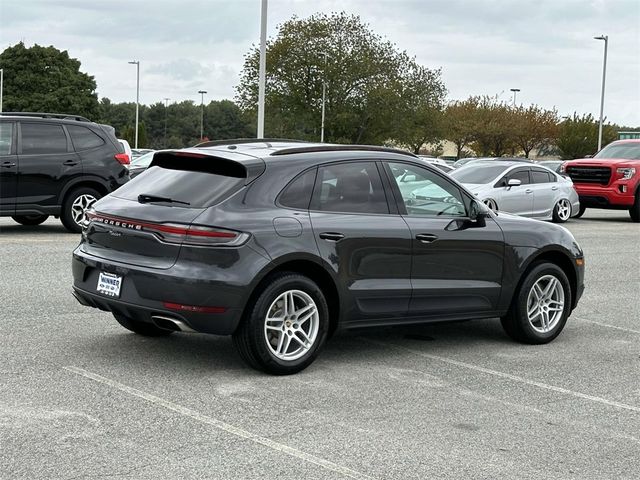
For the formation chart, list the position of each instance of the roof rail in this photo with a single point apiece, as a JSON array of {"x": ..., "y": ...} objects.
[
  {"x": 239, "y": 141},
  {"x": 340, "y": 148},
  {"x": 63, "y": 116}
]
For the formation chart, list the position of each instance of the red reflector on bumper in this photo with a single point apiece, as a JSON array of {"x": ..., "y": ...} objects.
[{"x": 193, "y": 308}]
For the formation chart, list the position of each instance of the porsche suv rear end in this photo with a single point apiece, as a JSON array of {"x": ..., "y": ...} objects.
[{"x": 150, "y": 254}]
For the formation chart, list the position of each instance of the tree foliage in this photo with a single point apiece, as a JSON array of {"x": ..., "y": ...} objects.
[
  {"x": 368, "y": 83},
  {"x": 45, "y": 79},
  {"x": 578, "y": 136}
]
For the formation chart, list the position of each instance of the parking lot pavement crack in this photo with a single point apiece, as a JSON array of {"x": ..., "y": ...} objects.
[
  {"x": 508, "y": 376},
  {"x": 226, "y": 427}
]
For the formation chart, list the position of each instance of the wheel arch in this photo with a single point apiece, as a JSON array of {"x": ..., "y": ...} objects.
[
  {"x": 309, "y": 267},
  {"x": 80, "y": 182}
]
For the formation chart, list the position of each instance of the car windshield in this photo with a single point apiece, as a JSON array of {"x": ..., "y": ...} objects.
[
  {"x": 628, "y": 150},
  {"x": 143, "y": 160},
  {"x": 478, "y": 174}
]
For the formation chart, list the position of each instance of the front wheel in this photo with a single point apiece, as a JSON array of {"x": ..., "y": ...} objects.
[
  {"x": 540, "y": 307},
  {"x": 74, "y": 207},
  {"x": 30, "y": 219},
  {"x": 493, "y": 206},
  {"x": 286, "y": 327},
  {"x": 634, "y": 212},
  {"x": 562, "y": 211}
]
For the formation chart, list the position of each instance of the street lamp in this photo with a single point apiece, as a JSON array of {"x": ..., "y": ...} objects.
[
  {"x": 166, "y": 101},
  {"x": 201, "y": 92},
  {"x": 604, "y": 73},
  {"x": 263, "y": 67},
  {"x": 324, "y": 94},
  {"x": 514, "y": 90},
  {"x": 137, "y": 64}
]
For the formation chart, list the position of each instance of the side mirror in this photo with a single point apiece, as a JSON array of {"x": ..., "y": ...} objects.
[
  {"x": 514, "y": 182},
  {"x": 477, "y": 211}
]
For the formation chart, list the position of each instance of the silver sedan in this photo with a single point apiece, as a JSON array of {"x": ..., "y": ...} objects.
[{"x": 523, "y": 189}]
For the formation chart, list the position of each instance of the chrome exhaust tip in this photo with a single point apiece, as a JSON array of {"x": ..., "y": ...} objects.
[{"x": 169, "y": 323}]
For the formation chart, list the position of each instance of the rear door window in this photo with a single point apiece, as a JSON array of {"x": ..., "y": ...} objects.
[
  {"x": 6, "y": 138},
  {"x": 298, "y": 193},
  {"x": 353, "y": 187},
  {"x": 39, "y": 138},
  {"x": 83, "y": 138}
]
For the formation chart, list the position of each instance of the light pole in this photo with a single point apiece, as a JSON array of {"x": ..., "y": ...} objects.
[
  {"x": 137, "y": 64},
  {"x": 166, "y": 102},
  {"x": 514, "y": 90},
  {"x": 604, "y": 74},
  {"x": 263, "y": 67},
  {"x": 201, "y": 92},
  {"x": 1, "y": 86},
  {"x": 324, "y": 94}
]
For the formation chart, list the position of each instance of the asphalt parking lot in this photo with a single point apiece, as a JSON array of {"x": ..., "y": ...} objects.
[{"x": 80, "y": 397}]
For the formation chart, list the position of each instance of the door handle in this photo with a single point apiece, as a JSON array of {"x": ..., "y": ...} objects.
[
  {"x": 331, "y": 236},
  {"x": 426, "y": 237},
  {"x": 528, "y": 190},
  {"x": 70, "y": 163},
  {"x": 8, "y": 164}
]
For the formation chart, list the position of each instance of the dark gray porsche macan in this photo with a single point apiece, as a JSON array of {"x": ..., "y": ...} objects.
[{"x": 279, "y": 243}]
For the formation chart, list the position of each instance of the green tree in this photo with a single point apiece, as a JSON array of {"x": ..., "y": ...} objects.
[
  {"x": 578, "y": 136},
  {"x": 45, "y": 79},
  {"x": 459, "y": 123},
  {"x": 363, "y": 74},
  {"x": 493, "y": 128},
  {"x": 534, "y": 127}
]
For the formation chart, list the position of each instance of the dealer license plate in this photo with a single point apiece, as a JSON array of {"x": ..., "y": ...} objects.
[{"x": 109, "y": 284}]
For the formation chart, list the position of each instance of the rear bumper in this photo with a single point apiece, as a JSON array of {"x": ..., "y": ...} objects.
[
  {"x": 611, "y": 196},
  {"x": 144, "y": 290}
]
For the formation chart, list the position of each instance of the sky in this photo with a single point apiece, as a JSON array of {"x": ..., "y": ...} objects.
[{"x": 484, "y": 47}]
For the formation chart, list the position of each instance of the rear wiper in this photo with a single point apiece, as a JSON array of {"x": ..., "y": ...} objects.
[{"x": 146, "y": 198}]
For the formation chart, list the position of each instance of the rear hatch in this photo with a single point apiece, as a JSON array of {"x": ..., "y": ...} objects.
[{"x": 146, "y": 221}]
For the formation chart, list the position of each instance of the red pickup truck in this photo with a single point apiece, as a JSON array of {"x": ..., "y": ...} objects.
[{"x": 611, "y": 179}]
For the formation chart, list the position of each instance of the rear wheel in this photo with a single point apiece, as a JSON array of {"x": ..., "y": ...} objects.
[
  {"x": 634, "y": 212},
  {"x": 141, "y": 328},
  {"x": 285, "y": 328},
  {"x": 30, "y": 219},
  {"x": 580, "y": 212},
  {"x": 562, "y": 211},
  {"x": 75, "y": 205},
  {"x": 541, "y": 305}
]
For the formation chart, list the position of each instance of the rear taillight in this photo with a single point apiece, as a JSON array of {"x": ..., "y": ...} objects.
[
  {"x": 123, "y": 158},
  {"x": 192, "y": 308},
  {"x": 175, "y": 232}
]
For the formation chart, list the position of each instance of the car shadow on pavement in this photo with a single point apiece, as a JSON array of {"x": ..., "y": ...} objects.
[{"x": 47, "y": 229}]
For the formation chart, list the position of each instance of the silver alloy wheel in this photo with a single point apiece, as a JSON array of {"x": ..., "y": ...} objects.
[
  {"x": 80, "y": 205},
  {"x": 291, "y": 325},
  {"x": 545, "y": 304},
  {"x": 491, "y": 204},
  {"x": 564, "y": 209}
]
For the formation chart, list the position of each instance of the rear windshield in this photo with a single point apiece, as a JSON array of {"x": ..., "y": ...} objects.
[
  {"x": 478, "y": 174},
  {"x": 198, "y": 182},
  {"x": 628, "y": 151}
]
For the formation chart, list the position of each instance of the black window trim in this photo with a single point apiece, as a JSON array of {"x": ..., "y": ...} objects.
[
  {"x": 358, "y": 160},
  {"x": 66, "y": 134},
  {"x": 401, "y": 207}
]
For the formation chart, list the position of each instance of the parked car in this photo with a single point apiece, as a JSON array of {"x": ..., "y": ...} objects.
[
  {"x": 140, "y": 164},
  {"x": 280, "y": 243},
  {"x": 527, "y": 190},
  {"x": 466, "y": 161},
  {"x": 554, "y": 165},
  {"x": 57, "y": 165},
  {"x": 138, "y": 152},
  {"x": 611, "y": 179},
  {"x": 436, "y": 162}
]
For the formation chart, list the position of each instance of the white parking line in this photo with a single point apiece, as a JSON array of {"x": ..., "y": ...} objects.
[
  {"x": 238, "y": 432},
  {"x": 509, "y": 376},
  {"x": 609, "y": 326}
]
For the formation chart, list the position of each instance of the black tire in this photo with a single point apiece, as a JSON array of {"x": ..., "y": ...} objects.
[
  {"x": 67, "y": 214},
  {"x": 250, "y": 339},
  {"x": 580, "y": 212},
  {"x": 141, "y": 328},
  {"x": 516, "y": 323},
  {"x": 634, "y": 212},
  {"x": 556, "y": 215},
  {"x": 30, "y": 219}
]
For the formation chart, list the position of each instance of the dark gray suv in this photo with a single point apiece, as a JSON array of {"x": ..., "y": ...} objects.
[
  {"x": 59, "y": 165},
  {"x": 280, "y": 243}
]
